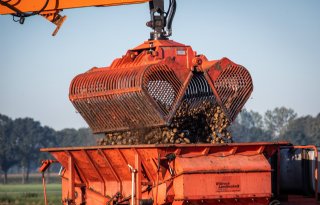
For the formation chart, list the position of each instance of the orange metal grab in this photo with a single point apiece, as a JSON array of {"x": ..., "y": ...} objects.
[{"x": 147, "y": 85}]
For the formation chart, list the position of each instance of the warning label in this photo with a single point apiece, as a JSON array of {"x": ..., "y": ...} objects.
[{"x": 228, "y": 184}]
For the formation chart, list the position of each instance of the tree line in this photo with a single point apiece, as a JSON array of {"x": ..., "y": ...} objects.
[
  {"x": 21, "y": 138},
  {"x": 279, "y": 124}
]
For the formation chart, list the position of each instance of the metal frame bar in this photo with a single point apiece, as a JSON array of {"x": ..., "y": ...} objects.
[
  {"x": 97, "y": 170},
  {"x": 281, "y": 143},
  {"x": 150, "y": 176},
  {"x": 71, "y": 178},
  {"x": 116, "y": 176},
  {"x": 137, "y": 166}
]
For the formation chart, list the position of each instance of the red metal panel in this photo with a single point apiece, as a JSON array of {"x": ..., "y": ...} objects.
[
  {"x": 216, "y": 164},
  {"x": 233, "y": 85},
  {"x": 112, "y": 99},
  {"x": 222, "y": 186}
]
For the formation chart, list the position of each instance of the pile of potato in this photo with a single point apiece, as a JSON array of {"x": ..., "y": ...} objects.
[{"x": 204, "y": 123}]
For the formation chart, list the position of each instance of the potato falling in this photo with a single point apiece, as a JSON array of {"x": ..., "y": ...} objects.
[{"x": 205, "y": 123}]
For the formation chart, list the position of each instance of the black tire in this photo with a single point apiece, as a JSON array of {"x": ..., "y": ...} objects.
[{"x": 275, "y": 202}]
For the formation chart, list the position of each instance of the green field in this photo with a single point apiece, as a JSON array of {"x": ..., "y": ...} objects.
[{"x": 29, "y": 194}]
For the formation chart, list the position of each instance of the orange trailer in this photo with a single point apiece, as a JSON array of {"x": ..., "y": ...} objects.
[
  {"x": 237, "y": 173},
  {"x": 167, "y": 174}
]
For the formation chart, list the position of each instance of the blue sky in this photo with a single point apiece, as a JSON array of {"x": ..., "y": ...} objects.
[{"x": 277, "y": 41}]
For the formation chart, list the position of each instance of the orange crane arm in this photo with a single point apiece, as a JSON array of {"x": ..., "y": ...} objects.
[
  {"x": 54, "y": 5},
  {"x": 161, "y": 20},
  {"x": 50, "y": 9}
]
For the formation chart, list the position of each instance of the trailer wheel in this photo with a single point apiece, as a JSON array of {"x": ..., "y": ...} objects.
[{"x": 275, "y": 202}]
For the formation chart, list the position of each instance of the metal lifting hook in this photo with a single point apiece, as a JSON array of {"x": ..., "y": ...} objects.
[{"x": 161, "y": 21}]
